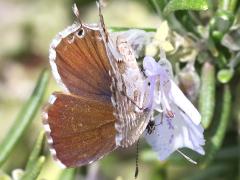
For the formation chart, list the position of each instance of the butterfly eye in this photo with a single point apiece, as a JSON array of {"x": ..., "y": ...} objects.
[{"x": 80, "y": 33}]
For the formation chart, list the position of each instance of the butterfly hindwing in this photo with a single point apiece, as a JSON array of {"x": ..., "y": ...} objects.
[{"x": 79, "y": 129}]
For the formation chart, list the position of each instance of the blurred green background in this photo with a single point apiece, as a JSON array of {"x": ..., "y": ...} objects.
[{"x": 27, "y": 28}]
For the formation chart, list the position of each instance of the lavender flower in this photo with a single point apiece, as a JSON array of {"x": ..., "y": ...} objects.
[{"x": 178, "y": 121}]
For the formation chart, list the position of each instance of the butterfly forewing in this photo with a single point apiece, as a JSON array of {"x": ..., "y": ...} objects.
[{"x": 79, "y": 61}]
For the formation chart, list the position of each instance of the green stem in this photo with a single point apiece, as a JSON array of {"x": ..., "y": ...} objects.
[
  {"x": 233, "y": 5},
  {"x": 35, "y": 170},
  {"x": 176, "y": 25},
  {"x": 158, "y": 5},
  {"x": 36, "y": 151},
  {"x": 224, "y": 119},
  {"x": 223, "y": 4},
  {"x": 227, "y": 5}
]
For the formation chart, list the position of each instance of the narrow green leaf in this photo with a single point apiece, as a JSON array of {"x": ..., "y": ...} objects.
[
  {"x": 68, "y": 174},
  {"x": 175, "y": 5},
  {"x": 157, "y": 5},
  {"x": 216, "y": 140},
  {"x": 36, "y": 151},
  {"x": 224, "y": 119},
  {"x": 172, "y": 20},
  {"x": 207, "y": 93},
  {"x": 35, "y": 170},
  {"x": 24, "y": 118}
]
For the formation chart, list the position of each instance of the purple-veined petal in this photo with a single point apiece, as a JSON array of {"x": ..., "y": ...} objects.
[
  {"x": 175, "y": 133},
  {"x": 150, "y": 66},
  {"x": 151, "y": 80},
  {"x": 165, "y": 102},
  {"x": 165, "y": 64},
  {"x": 195, "y": 134},
  {"x": 182, "y": 102}
]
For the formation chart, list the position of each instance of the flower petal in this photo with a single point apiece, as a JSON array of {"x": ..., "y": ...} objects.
[
  {"x": 150, "y": 66},
  {"x": 165, "y": 64},
  {"x": 167, "y": 46},
  {"x": 162, "y": 32},
  {"x": 183, "y": 103},
  {"x": 151, "y": 80},
  {"x": 172, "y": 134}
]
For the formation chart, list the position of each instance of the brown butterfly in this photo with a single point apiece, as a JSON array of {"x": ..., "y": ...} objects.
[{"x": 102, "y": 106}]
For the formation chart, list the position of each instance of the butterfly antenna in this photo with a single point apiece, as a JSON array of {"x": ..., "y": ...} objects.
[
  {"x": 99, "y": 5},
  {"x": 76, "y": 12},
  {"x": 137, "y": 155},
  {"x": 186, "y": 157}
]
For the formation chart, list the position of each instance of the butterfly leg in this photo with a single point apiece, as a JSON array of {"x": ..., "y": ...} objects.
[{"x": 132, "y": 101}]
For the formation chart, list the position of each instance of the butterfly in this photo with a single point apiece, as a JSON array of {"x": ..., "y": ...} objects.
[{"x": 102, "y": 104}]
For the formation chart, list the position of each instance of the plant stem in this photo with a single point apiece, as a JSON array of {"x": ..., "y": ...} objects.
[
  {"x": 227, "y": 5},
  {"x": 35, "y": 170},
  {"x": 36, "y": 151}
]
